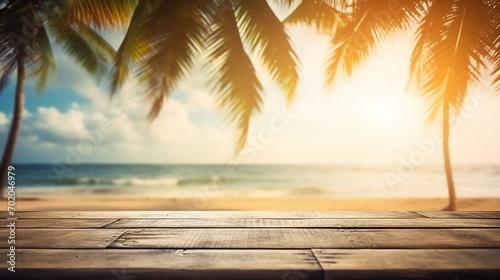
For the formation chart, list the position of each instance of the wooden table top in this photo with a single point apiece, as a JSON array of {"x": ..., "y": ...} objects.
[{"x": 133, "y": 245}]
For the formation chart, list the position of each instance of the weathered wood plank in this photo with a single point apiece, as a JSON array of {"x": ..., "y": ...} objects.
[
  {"x": 461, "y": 215},
  {"x": 258, "y": 214},
  {"x": 305, "y": 223},
  {"x": 341, "y": 264},
  {"x": 163, "y": 264},
  {"x": 61, "y": 238},
  {"x": 217, "y": 214},
  {"x": 295, "y": 238},
  {"x": 63, "y": 223}
]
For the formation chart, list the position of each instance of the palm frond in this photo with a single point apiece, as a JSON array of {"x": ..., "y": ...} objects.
[
  {"x": 99, "y": 43},
  {"x": 75, "y": 45},
  {"x": 235, "y": 80},
  {"x": 421, "y": 59},
  {"x": 99, "y": 14},
  {"x": 8, "y": 67},
  {"x": 325, "y": 18},
  {"x": 134, "y": 45},
  {"x": 268, "y": 38},
  {"x": 21, "y": 29},
  {"x": 369, "y": 23},
  {"x": 494, "y": 33},
  {"x": 8, "y": 61},
  {"x": 12, "y": 14},
  {"x": 496, "y": 70},
  {"x": 174, "y": 35},
  {"x": 44, "y": 63},
  {"x": 450, "y": 52}
]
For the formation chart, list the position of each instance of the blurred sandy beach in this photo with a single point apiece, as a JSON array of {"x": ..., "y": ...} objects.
[{"x": 250, "y": 204}]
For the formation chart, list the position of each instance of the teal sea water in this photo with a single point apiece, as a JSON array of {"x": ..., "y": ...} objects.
[{"x": 141, "y": 180}]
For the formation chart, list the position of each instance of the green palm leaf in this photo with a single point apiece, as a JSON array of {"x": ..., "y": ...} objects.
[
  {"x": 25, "y": 29},
  {"x": 268, "y": 38},
  {"x": 173, "y": 35},
  {"x": 45, "y": 62},
  {"x": 8, "y": 61},
  {"x": 134, "y": 45},
  {"x": 87, "y": 47},
  {"x": 236, "y": 82},
  {"x": 6, "y": 73},
  {"x": 100, "y": 14},
  {"x": 165, "y": 38},
  {"x": 369, "y": 23}
]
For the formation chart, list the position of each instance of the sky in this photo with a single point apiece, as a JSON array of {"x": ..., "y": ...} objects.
[{"x": 370, "y": 118}]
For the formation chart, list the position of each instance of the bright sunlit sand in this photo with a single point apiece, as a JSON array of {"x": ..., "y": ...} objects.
[{"x": 253, "y": 204}]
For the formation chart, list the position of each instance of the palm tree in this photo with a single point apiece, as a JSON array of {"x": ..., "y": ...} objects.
[
  {"x": 166, "y": 38},
  {"x": 452, "y": 53},
  {"x": 27, "y": 27},
  {"x": 457, "y": 42}
]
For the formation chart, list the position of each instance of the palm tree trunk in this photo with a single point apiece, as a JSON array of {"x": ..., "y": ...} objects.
[
  {"x": 447, "y": 162},
  {"x": 16, "y": 123}
]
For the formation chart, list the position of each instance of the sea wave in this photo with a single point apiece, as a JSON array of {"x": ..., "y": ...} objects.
[
  {"x": 162, "y": 181},
  {"x": 166, "y": 181},
  {"x": 199, "y": 181}
]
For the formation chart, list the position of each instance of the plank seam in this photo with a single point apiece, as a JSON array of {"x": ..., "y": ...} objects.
[
  {"x": 114, "y": 240},
  {"x": 419, "y": 214},
  {"x": 319, "y": 263},
  {"x": 110, "y": 223}
]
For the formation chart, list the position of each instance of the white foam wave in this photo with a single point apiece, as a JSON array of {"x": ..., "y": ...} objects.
[{"x": 166, "y": 181}]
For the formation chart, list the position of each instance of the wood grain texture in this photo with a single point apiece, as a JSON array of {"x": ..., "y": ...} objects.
[
  {"x": 304, "y": 223},
  {"x": 410, "y": 264},
  {"x": 218, "y": 214},
  {"x": 461, "y": 214},
  {"x": 61, "y": 238},
  {"x": 164, "y": 264},
  {"x": 308, "y": 238},
  {"x": 255, "y": 245},
  {"x": 63, "y": 223}
]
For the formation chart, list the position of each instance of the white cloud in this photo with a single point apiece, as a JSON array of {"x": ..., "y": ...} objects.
[
  {"x": 172, "y": 137},
  {"x": 66, "y": 126},
  {"x": 177, "y": 132}
]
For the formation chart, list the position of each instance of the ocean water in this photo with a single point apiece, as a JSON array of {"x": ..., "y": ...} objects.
[{"x": 124, "y": 180}]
